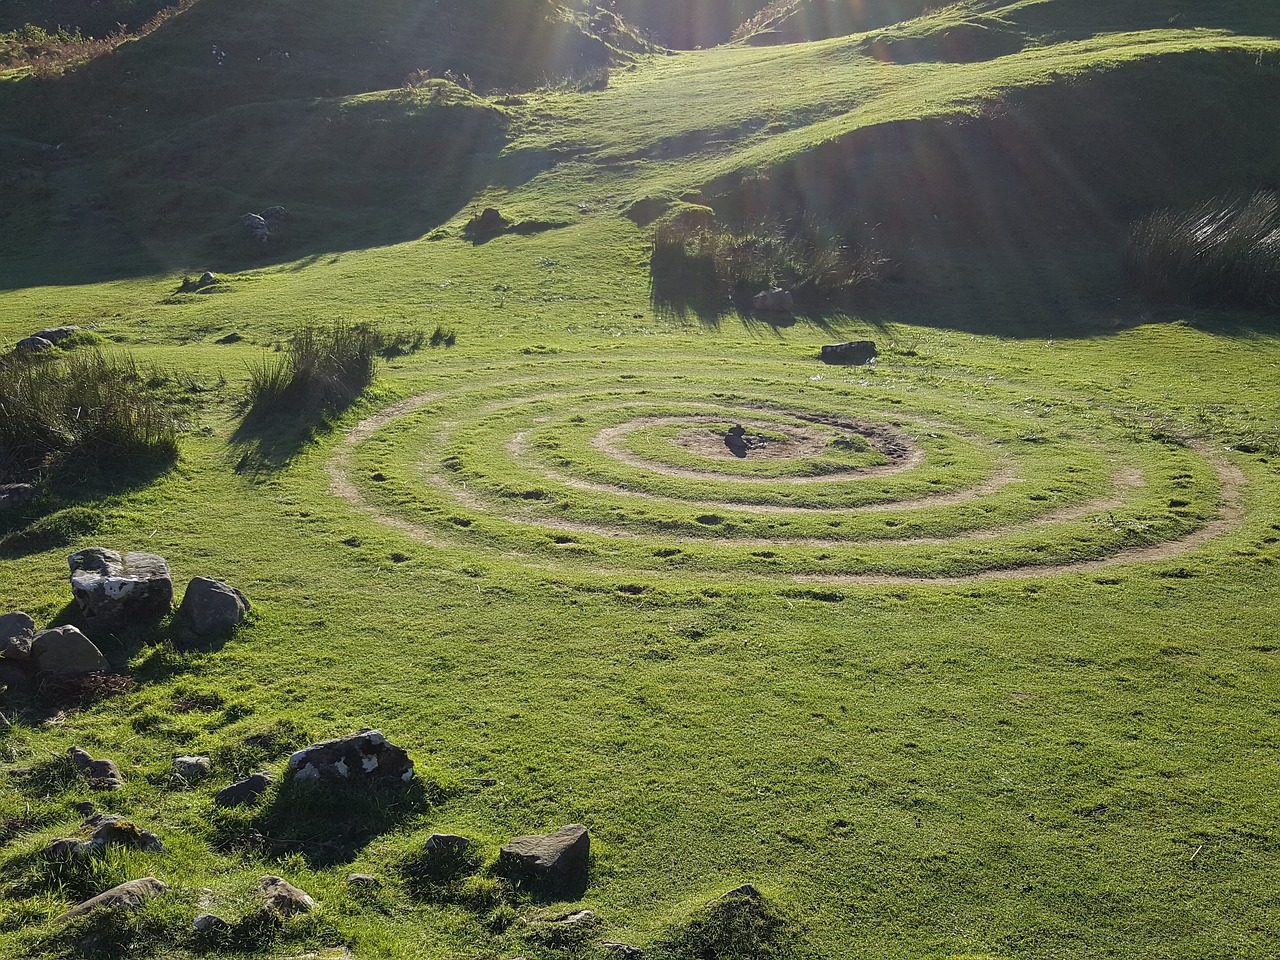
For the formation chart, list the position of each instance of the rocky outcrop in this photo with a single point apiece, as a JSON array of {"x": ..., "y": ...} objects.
[
  {"x": 65, "y": 650},
  {"x": 212, "y": 608},
  {"x": 367, "y": 756},
  {"x": 127, "y": 896},
  {"x": 116, "y": 590},
  {"x": 56, "y": 335},
  {"x": 556, "y": 861}
]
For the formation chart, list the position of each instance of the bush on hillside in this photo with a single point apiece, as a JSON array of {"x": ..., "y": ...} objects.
[
  {"x": 58, "y": 413},
  {"x": 1221, "y": 251},
  {"x": 704, "y": 257}
]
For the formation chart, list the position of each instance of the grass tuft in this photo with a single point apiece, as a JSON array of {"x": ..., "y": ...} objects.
[
  {"x": 733, "y": 928},
  {"x": 1220, "y": 252}
]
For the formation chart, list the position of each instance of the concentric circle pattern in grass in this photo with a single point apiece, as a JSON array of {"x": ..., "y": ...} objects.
[{"x": 896, "y": 476}]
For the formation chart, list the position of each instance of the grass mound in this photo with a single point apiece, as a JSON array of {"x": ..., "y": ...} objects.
[
  {"x": 88, "y": 407},
  {"x": 1218, "y": 252},
  {"x": 744, "y": 926},
  {"x": 320, "y": 371}
]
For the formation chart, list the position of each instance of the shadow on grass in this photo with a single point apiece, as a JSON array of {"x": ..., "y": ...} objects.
[{"x": 327, "y": 823}]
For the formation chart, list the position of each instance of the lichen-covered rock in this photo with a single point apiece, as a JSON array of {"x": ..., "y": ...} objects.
[
  {"x": 108, "y": 831},
  {"x": 121, "y": 590},
  {"x": 17, "y": 632},
  {"x": 366, "y": 756},
  {"x": 210, "y": 607},
  {"x": 244, "y": 791},
  {"x": 283, "y": 899},
  {"x": 557, "y": 860},
  {"x": 102, "y": 774},
  {"x": 65, "y": 650},
  {"x": 127, "y": 896}
]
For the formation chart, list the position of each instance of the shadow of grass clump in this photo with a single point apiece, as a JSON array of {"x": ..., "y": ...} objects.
[{"x": 738, "y": 926}]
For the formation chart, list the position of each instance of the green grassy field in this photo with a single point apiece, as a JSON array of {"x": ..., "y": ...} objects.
[{"x": 999, "y": 682}]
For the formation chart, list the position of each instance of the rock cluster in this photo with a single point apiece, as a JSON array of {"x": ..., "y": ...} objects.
[{"x": 44, "y": 340}]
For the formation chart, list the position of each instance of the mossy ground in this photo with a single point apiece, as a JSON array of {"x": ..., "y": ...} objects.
[{"x": 1078, "y": 763}]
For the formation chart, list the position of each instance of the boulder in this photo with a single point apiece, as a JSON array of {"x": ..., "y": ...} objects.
[
  {"x": 855, "y": 352},
  {"x": 623, "y": 950},
  {"x": 207, "y": 279},
  {"x": 192, "y": 768},
  {"x": 127, "y": 896},
  {"x": 17, "y": 632},
  {"x": 211, "y": 607},
  {"x": 33, "y": 345},
  {"x": 244, "y": 791},
  {"x": 102, "y": 774},
  {"x": 363, "y": 880},
  {"x": 56, "y": 334},
  {"x": 15, "y": 495},
  {"x": 65, "y": 650},
  {"x": 282, "y": 899},
  {"x": 121, "y": 590},
  {"x": 488, "y": 223},
  {"x": 275, "y": 214},
  {"x": 555, "y": 861},
  {"x": 777, "y": 301},
  {"x": 367, "y": 756},
  {"x": 255, "y": 228},
  {"x": 747, "y": 891}
]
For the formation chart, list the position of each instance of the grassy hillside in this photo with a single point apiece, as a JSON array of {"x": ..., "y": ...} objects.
[{"x": 971, "y": 654}]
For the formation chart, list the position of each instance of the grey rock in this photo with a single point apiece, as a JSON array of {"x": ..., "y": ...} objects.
[
  {"x": 17, "y": 632},
  {"x": 210, "y": 923},
  {"x": 206, "y": 279},
  {"x": 275, "y": 214},
  {"x": 245, "y": 791},
  {"x": 777, "y": 301},
  {"x": 108, "y": 831},
  {"x": 557, "y": 860},
  {"x": 102, "y": 774},
  {"x": 65, "y": 650},
  {"x": 283, "y": 899},
  {"x": 211, "y": 607},
  {"x": 447, "y": 845},
  {"x": 127, "y": 896},
  {"x": 363, "y": 880},
  {"x": 33, "y": 345},
  {"x": 15, "y": 495},
  {"x": 367, "y": 756},
  {"x": 856, "y": 352},
  {"x": 580, "y": 918},
  {"x": 192, "y": 768},
  {"x": 56, "y": 334},
  {"x": 121, "y": 590},
  {"x": 255, "y": 227}
]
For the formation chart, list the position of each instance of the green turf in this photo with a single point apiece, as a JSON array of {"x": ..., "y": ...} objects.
[{"x": 1014, "y": 700}]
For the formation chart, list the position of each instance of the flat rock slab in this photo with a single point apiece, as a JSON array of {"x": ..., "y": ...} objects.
[
  {"x": 369, "y": 757},
  {"x": 17, "y": 631},
  {"x": 282, "y": 898},
  {"x": 127, "y": 896},
  {"x": 555, "y": 861},
  {"x": 211, "y": 607},
  {"x": 135, "y": 588},
  {"x": 102, "y": 774},
  {"x": 244, "y": 791},
  {"x": 854, "y": 352},
  {"x": 65, "y": 650}
]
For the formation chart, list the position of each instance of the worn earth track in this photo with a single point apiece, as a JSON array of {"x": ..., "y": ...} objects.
[{"x": 1231, "y": 479}]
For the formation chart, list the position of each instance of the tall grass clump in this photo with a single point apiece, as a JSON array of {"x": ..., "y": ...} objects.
[
  {"x": 83, "y": 409},
  {"x": 1222, "y": 251},
  {"x": 699, "y": 257},
  {"x": 322, "y": 370}
]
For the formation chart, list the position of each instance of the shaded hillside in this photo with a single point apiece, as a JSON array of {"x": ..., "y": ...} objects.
[
  {"x": 93, "y": 18},
  {"x": 685, "y": 24}
]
